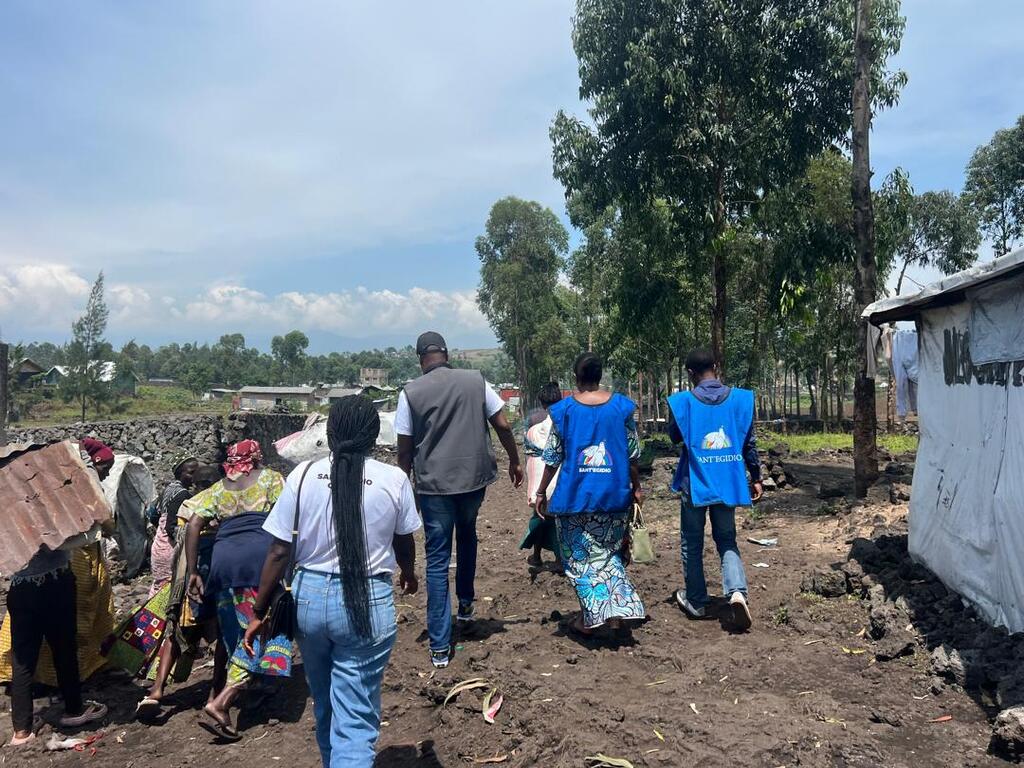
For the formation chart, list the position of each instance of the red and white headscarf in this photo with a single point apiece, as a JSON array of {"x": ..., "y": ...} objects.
[{"x": 243, "y": 457}]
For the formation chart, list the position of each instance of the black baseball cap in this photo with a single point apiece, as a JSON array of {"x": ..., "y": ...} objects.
[{"x": 430, "y": 341}]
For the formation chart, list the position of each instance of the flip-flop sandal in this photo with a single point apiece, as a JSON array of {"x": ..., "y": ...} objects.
[
  {"x": 575, "y": 627},
  {"x": 16, "y": 742},
  {"x": 93, "y": 711},
  {"x": 147, "y": 708},
  {"x": 218, "y": 728}
]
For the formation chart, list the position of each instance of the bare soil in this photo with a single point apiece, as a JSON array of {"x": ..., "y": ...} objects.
[{"x": 802, "y": 688}]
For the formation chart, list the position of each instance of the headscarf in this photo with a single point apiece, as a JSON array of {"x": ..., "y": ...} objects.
[
  {"x": 352, "y": 429},
  {"x": 243, "y": 457},
  {"x": 98, "y": 452},
  {"x": 181, "y": 457}
]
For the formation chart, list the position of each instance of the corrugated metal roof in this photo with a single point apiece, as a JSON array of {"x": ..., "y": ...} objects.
[
  {"x": 336, "y": 392},
  {"x": 948, "y": 290},
  {"x": 276, "y": 391},
  {"x": 47, "y": 496}
]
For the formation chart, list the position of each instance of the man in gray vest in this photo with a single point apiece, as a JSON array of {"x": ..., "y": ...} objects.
[{"x": 442, "y": 426}]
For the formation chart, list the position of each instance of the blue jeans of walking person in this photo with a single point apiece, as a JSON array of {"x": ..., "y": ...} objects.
[
  {"x": 445, "y": 518},
  {"x": 344, "y": 671},
  {"x": 723, "y": 531}
]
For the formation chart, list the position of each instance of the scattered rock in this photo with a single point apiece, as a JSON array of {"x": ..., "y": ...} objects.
[
  {"x": 1008, "y": 733},
  {"x": 897, "y": 468},
  {"x": 894, "y": 646},
  {"x": 959, "y": 666},
  {"x": 887, "y": 718},
  {"x": 899, "y": 493},
  {"x": 827, "y": 583},
  {"x": 769, "y": 484}
]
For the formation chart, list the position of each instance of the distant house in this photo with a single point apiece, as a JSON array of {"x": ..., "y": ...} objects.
[
  {"x": 219, "y": 393},
  {"x": 373, "y": 377},
  {"x": 266, "y": 398},
  {"x": 162, "y": 382},
  {"x": 124, "y": 384},
  {"x": 27, "y": 370},
  {"x": 334, "y": 394}
]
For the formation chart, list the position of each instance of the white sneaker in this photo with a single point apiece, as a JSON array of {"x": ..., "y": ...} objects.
[
  {"x": 688, "y": 608},
  {"x": 740, "y": 611}
]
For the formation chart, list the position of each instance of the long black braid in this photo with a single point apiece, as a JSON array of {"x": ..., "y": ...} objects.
[{"x": 352, "y": 429}]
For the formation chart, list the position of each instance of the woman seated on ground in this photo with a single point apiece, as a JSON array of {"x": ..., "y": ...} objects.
[
  {"x": 188, "y": 623},
  {"x": 594, "y": 442},
  {"x": 541, "y": 533},
  {"x": 356, "y": 517},
  {"x": 239, "y": 504}
]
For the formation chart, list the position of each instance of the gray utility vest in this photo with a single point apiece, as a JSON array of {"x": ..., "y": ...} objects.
[{"x": 451, "y": 433}]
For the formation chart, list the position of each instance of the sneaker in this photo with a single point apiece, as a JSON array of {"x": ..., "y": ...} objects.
[
  {"x": 740, "y": 610},
  {"x": 688, "y": 608},
  {"x": 440, "y": 659},
  {"x": 466, "y": 613}
]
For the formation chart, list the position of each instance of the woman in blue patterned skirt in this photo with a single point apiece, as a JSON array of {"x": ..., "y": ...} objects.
[{"x": 594, "y": 441}]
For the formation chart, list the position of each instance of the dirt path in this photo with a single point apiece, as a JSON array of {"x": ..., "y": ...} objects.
[{"x": 795, "y": 691}]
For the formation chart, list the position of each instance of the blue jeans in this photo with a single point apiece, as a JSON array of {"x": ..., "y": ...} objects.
[
  {"x": 443, "y": 516},
  {"x": 723, "y": 531},
  {"x": 344, "y": 671}
]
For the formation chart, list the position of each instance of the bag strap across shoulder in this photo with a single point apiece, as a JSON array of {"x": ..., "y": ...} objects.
[{"x": 290, "y": 570}]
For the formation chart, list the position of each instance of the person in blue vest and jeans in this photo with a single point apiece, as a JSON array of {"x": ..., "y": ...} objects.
[
  {"x": 444, "y": 421},
  {"x": 593, "y": 440},
  {"x": 715, "y": 425}
]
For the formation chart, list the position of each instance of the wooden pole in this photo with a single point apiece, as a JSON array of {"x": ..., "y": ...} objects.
[{"x": 4, "y": 407}]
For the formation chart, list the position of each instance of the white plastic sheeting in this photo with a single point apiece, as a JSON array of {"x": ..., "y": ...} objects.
[
  {"x": 997, "y": 321},
  {"x": 966, "y": 521},
  {"x": 129, "y": 489},
  {"x": 310, "y": 443}
]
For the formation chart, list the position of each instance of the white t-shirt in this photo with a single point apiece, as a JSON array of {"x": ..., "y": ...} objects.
[
  {"x": 403, "y": 415},
  {"x": 389, "y": 509}
]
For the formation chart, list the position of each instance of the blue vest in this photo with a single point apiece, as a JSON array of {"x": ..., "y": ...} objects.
[
  {"x": 714, "y": 437},
  {"x": 595, "y": 471}
]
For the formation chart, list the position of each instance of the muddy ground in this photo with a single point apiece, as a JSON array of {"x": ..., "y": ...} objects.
[{"x": 803, "y": 688}]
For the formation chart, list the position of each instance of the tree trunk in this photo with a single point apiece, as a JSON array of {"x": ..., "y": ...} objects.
[
  {"x": 796, "y": 383},
  {"x": 903, "y": 273},
  {"x": 865, "y": 448},
  {"x": 719, "y": 273}
]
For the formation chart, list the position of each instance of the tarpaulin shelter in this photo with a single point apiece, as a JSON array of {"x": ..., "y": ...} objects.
[
  {"x": 967, "y": 504},
  {"x": 130, "y": 490},
  {"x": 310, "y": 443}
]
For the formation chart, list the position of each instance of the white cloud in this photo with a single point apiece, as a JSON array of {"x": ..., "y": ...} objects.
[
  {"x": 41, "y": 296},
  {"x": 42, "y": 300}
]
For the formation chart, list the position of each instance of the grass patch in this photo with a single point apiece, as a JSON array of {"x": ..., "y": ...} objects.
[
  {"x": 149, "y": 401},
  {"x": 824, "y": 441}
]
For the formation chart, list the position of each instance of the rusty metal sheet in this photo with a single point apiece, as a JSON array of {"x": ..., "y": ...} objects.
[{"x": 47, "y": 496}]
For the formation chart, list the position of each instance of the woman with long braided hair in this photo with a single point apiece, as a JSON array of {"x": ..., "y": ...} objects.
[{"x": 356, "y": 517}]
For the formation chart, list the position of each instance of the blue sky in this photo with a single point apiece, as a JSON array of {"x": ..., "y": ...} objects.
[{"x": 258, "y": 166}]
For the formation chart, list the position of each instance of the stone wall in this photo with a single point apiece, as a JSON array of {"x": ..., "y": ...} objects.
[{"x": 158, "y": 440}]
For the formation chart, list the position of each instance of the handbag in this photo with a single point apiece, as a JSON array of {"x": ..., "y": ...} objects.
[
  {"x": 281, "y": 618},
  {"x": 640, "y": 548}
]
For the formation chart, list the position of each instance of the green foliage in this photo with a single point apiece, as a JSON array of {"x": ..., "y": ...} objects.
[
  {"x": 86, "y": 355},
  {"x": 940, "y": 230},
  {"x": 521, "y": 256},
  {"x": 898, "y": 445},
  {"x": 995, "y": 186},
  {"x": 701, "y": 107},
  {"x": 289, "y": 353}
]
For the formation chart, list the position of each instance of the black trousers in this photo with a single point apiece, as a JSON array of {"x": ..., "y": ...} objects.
[{"x": 44, "y": 611}]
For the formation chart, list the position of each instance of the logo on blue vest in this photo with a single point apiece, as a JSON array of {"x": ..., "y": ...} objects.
[
  {"x": 716, "y": 441},
  {"x": 595, "y": 459}
]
